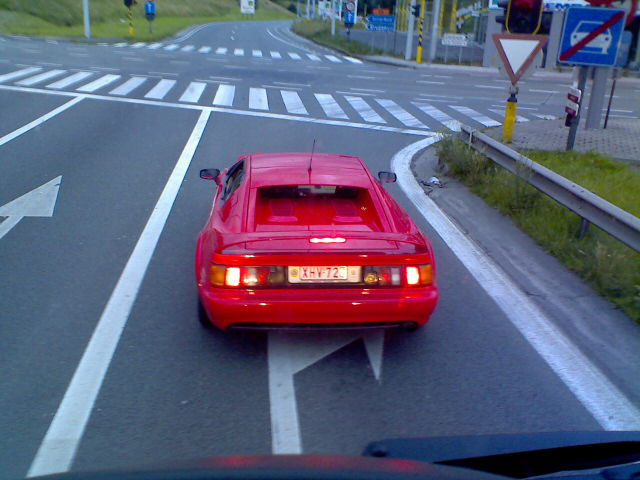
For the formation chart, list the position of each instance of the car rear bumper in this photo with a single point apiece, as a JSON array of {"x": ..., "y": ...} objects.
[{"x": 286, "y": 308}]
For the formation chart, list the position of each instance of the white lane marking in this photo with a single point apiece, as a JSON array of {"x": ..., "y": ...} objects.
[
  {"x": 543, "y": 91},
  {"x": 440, "y": 116},
  {"x": 161, "y": 89},
  {"x": 204, "y": 49},
  {"x": 39, "y": 202},
  {"x": 364, "y": 110},
  {"x": 225, "y": 79},
  {"x": 333, "y": 58},
  {"x": 284, "y": 41},
  {"x": 256, "y": 53},
  {"x": 430, "y": 82},
  {"x": 19, "y": 73},
  {"x": 477, "y": 116},
  {"x": 61, "y": 441},
  {"x": 193, "y": 92},
  {"x": 138, "y": 45},
  {"x": 188, "y": 48},
  {"x": 230, "y": 111},
  {"x": 70, "y": 80},
  {"x": 120, "y": 45},
  {"x": 290, "y": 353},
  {"x": 221, "y": 50},
  {"x": 545, "y": 117},
  {"x": 28, "y": 82},
  {"x": 98, "y": 83},
  {"x": 238, "y": 52},
  {"x": 294, "y": 55},
  {"x": 330, "y": 106},
  {"x": 363, "y": 77},
  {"x": 38, "y": 121},
  {"x": 285, "y": 84},
  {"x": 400, "y": 113},
  {"x": 606, "y": 403},
  {"x": 519, "y": 118},
  {"x": 491, "y": 87},
  {"x": 191, "y": 32},
  {"x": 171, "y": 47},
  {"x": 313, "y": 57},
  {"x": 293, "y": 103},
  {"x": 154, "y": 46},
  {"x": 353, "y": 60},
  {"x": 258, "y": 99},
  {"x": 128, "y": 86},
  {"x": 224, "y": 95},
  {"x": 368, "y": 90},
  {"x": 275, "y": 54}
]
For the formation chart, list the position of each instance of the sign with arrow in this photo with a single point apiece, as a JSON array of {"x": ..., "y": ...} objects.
[
  {"x": 39, "y": 202},
  {"x": 518, "y": 51}
]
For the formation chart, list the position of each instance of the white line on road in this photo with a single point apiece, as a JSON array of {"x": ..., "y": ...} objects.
[
  {"x": 477, "y": 116},
  {"x": 333, "y": 58},
  {"x": 221, "y": 50},
  {"x": 204, "y": 49},
  {"x": 257, "y": 53},
  {"x": 492, "y": 87},
  {"x": 172, "y": 47},
  {"x": 238, "y": 52},
  {"x": 313, "y": 57},
  {"x": 606, "y": 403},
  {"x": 154, "y": 46},
  {"x": 138, "y": 45},
  {"x": 188, "y": 48},
  {"x": 362, "y": 77},
  {"x": 353, "y": 60},
  {"x": 128, "y": 86},
  {"x": 224, "y": 96},
  {"x": 28, "y": 82},
  {"x": 430, "y": 82},
  {"x": 285, "y": 84},
  {"x": 61, "y": 441},
  {"x": 367, "y": 113},
  {"x": 294, "y": 55},
  {"x": 193, "y": 92},
  {"x": 275, "y": 54},
  {"x": 293, "y": 103},
  {"x": 99, "y": 83},
  {"x": 258, "y": 99},
  {"x": 543, "y": 91},
  {"x": 400, "y": 113},
  {"x": 440, "y": 116},
  {"x": 38, "y": 121},
  {"x": 7, "y": 77},
  {"x": 369, "y": 90},
  {"x": 70, "y": 80},
  {"x": 330, "y": 106},
  {"x": 161, "y": 89}
]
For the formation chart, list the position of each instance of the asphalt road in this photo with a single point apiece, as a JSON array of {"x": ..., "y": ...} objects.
[{"x": 172, "y": 390}]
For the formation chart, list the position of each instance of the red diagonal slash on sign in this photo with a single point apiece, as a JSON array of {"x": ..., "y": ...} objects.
[{"x": 578, "y": 46}]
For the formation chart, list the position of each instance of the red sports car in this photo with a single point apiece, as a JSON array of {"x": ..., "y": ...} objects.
[{"x": 311, "y": 240}]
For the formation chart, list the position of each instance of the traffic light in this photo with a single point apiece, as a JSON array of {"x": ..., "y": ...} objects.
[
  {"x": 504, "y": 5},
  {"x": 524, "y": 16},
  {"x": 415, "y": 10},
  {"x": 128, "y": 3}
]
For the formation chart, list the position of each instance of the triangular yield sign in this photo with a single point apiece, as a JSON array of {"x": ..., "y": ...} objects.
[{"x": 517, "y": 51}]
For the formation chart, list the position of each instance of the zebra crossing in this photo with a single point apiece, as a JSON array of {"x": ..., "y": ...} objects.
[
  {"x": 239, "y": 52},
  {"x": 351, "y": 107}
]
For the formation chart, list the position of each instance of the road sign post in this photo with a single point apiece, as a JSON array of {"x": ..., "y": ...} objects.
[
  {"x": 573, "y": 121},
  {"x": 87, "y": 22},
  {"x": 510, "y": 114},
  {"x": 422, "y": 11},
  {"x": 409, "y": 44},
  {"x": 128, "y": 4},
  {"x": 351, "y": 9}
]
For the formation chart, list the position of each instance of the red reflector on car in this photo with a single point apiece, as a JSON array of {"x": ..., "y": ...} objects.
[{"x": 328, "y": 240}]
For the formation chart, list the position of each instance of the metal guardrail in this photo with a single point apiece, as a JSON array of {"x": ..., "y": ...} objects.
[{"x": 613, "y": 220}]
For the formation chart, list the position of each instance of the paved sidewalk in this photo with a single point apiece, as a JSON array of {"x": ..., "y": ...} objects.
[{"x": 620, "y": 140}]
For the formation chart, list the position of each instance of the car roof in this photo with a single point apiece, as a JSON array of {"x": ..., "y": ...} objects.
[{"x": 270, "y": 169}]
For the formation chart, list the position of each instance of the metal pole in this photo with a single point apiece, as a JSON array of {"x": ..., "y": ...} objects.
[
  {"x": 510, "y": 114},
  {"x": 613, "y": 90},
  {"x": 130, "y": 15},
  {"x": 87, "y": 21},
  {"x": 434, "y": 30},
  {"x": 573, "y": 129},
  {"x": 422, "y": 13},
  {"x": 598, "y": 92},
  {"x": 333, "y": 18},
  {"x": 409, "y": 45}
]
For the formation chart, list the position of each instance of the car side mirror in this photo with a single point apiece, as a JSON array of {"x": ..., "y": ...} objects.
[
  {"x": 209, "y": 173},
  {"x": 387, "y": 177}
]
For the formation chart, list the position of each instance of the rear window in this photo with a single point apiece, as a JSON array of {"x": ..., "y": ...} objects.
[{"x": 299, "y": 207}]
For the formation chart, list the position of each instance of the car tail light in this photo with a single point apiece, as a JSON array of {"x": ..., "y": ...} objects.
[
  {"x": 397, "y": 275},
  {"x": 227, "y": 276}
]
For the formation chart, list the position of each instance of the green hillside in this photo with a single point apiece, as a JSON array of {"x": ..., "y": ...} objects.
[{"x": 64, "y": 18}]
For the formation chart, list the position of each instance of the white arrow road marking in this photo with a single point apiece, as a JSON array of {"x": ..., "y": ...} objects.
[
  {"x": 39, "y": 202},
  {"x": 61, "y": 441},
  {"x": 290, "y": 353}
]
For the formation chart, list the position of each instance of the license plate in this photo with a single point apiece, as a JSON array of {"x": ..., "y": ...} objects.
[{"x": 324, "y": 274}]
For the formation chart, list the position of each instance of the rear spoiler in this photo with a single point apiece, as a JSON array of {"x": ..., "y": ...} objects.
[{"x": 235, "y": 239}]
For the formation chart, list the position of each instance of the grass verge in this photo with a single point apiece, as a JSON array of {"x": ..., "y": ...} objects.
[
  {"x": 63, "y": 18},
  {"x": 611, "y": 267},
  {"x": 320, "y": 32}
]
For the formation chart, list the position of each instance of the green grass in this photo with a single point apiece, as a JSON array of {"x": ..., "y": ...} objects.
[
  {"x": 63, "y": 18},
  {"x": 320, "y": 32},
  {"x": 611, "y": 267}
]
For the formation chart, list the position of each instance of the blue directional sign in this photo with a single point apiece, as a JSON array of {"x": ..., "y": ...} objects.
[
  {"x": 382, "y": 23},
  {"x": 590, "y": 36},
  {"x": 349, "y": 17}
]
